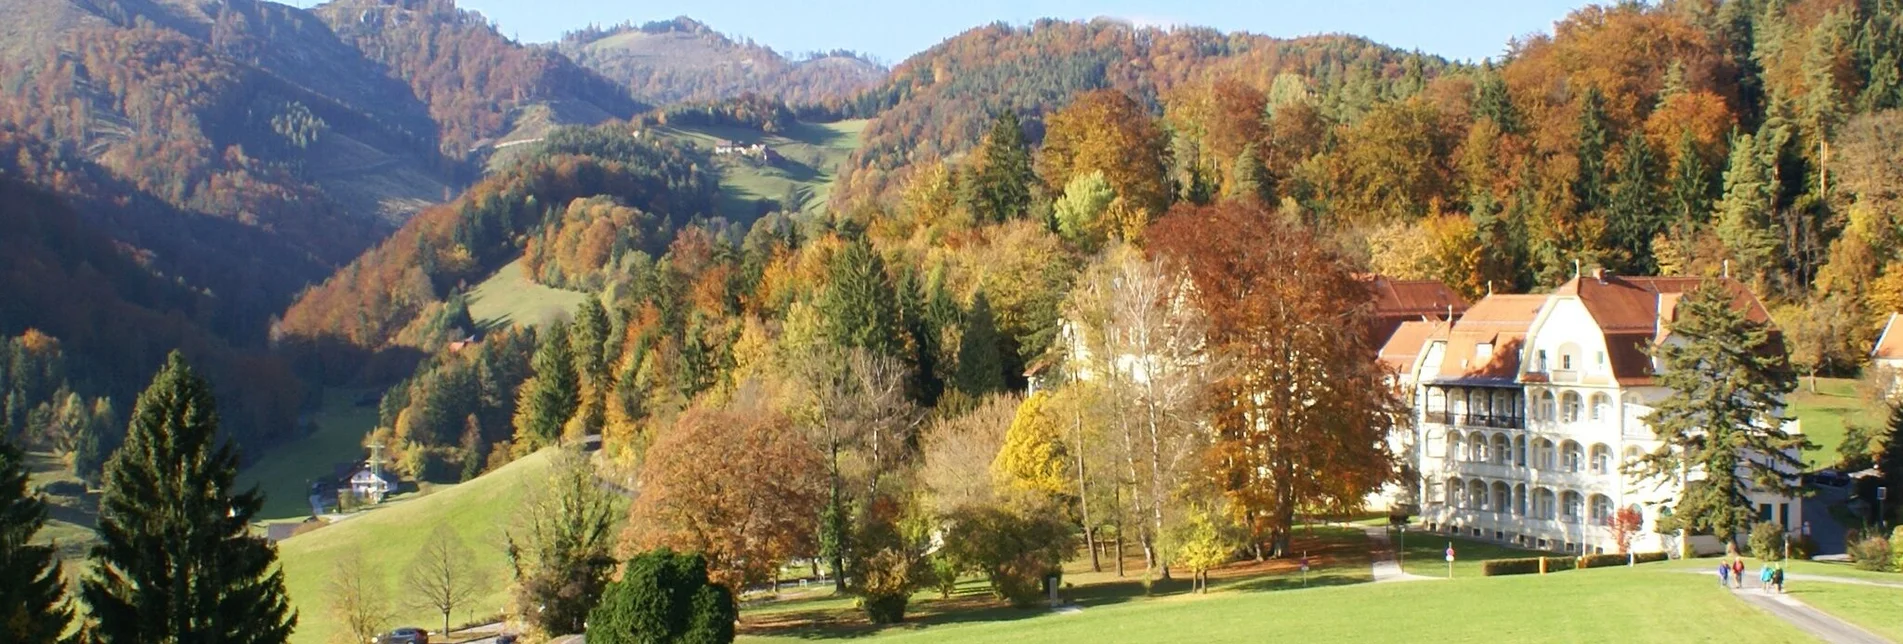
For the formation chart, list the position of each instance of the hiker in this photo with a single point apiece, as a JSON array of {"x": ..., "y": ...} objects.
[
  {"x": 1777, "y": 579},
  {"x": 1724, "y": 574},
  {"x": 1764, "y": 578},
  {"x": 1737, "y": 573}
]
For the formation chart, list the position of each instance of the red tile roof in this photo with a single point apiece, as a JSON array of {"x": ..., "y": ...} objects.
[
  {"x": 1500, "y": 321},
  {"x": 1634, "y": 313},
  {"x": 1890, "y": 344},
  {"x": 1409, "y": 340},
  {"x": 1398, "y": 301}
]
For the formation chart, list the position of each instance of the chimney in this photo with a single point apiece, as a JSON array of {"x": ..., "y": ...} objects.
[{"x": 1599, "y": 274}]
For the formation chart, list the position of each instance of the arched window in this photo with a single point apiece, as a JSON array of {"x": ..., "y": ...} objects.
[
  {"x": 1601, "y": 510},
  {"x": 1572, "y": 458},
  {"x": 1455, "y": 490},
  {"x": 1572, "y": 506},
  {"x": 1477, "y": 495},
  {"x": 1543, "y": 454},
  {"x": 1547, "y": 406},
  {"x": 1519, "y": 500},
  {"x": 1568, "y": 356},
  {"x": 1601, "y": 459},
  {"x": 1544, "y": 504},
  {"x": 1519, "y": 451},
  {"x": 1633, "y": 454},
  {"x": 1502, "y": 497},
  {"x": 1569, "y": 405},
  {"x": 1477, "y": 448},
  {"x": 1502, "y": 450},
  {"x": 1454, "y": 446},
  {"x": 1601, "y": 406}
]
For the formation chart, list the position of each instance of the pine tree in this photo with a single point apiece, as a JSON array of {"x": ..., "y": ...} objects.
[
  {"x": 1691, "y": 185},
  {"x": 1890, "y": 463},
  {"x": 1000, "y": 189},
  {"x": 176, "y": 560},
  {"x": 980, "y": 361},
  {"x": 1589, "y": 184},
  {"x": 858, "y": 302},
  {"x": 923, "y": 336},
  {"x": 32, "y": 608},
  {"x": 1744, "y": 214},
  {"x": 1632, "y": 217},
  {"x": 551, "y": 397},
  {"x": 1728, "y": 376},
  {"x": 1248, "y": 179}
]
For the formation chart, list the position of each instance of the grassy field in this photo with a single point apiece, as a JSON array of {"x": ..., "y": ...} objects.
[
  {"x": 1426, "y": 554},
  {"x": 388, "y": 537},
  {"x": 1581, "y": 606},
  {"x": 1878, "y": 610},
  {"x": 285, "y": 473},
  {"x": 508, "y": 297},
  {"x": 1825, "y": 413},
  {"x": 813, "y": 152},
  {"x": 1822, "y": 568}
]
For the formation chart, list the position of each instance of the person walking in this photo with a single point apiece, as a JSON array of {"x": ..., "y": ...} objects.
[
  {"x": 1777, "y": 579},
  {"x": 1764, "y": 578},
  {"x": 1737, "y": 573},
  {"x": 1724, "y": 574}
]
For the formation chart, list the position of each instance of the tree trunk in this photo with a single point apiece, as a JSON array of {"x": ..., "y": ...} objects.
[
  {"x": 1119, "y": 557},
  {"x": 1083, "y": 501}
]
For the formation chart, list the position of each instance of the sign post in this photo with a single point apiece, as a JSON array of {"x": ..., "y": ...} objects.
[
  {"x": 1304, "y": 568},
  {"x": 1450, "y": 560}
]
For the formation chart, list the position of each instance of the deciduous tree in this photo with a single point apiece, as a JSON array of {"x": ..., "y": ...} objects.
[
  {"x": 561, "y": 547},
  {"x": 445, "y": 574},
  {"x": 1106, "y": 131},
  {"x": 357, "y": 598}
]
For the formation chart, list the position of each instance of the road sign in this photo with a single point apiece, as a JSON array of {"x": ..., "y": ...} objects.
[{"x": 1450, "y": 553}]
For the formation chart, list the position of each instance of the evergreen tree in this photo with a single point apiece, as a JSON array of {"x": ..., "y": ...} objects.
[
  {"x": 1890, "y": 463},
  {"x": 32, "y": 609},
  {"x": 1589, "y": 183},
  {"x": 552, "y": 396},
  {"x": 1248, "y": 179},
  {"x": 858, "y": 302},
  {"x": 923, "y": 335},
  {"x": 587, "y": 340},
  {"x": 664, "y": 597},
  {"x": 1632, "y": 217},
  {"x": 1492, "y": 102},
  {"x": 1691, "y": 185},
  {"x": 1000, "y": 188},
  {"x": 1724, "y": 419},
  {"x": 1744, "y": 214},
  {"x": 176, "y": 561},
  {"x": 980, "y": 360}
]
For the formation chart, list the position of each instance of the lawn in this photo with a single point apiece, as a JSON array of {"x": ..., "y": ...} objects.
[
  {"x": 813, "y": 153},
  {"x": 508, "y": 297},
  {"x": 1426, "y": 553},
  {"x": 1799, "y": 567},
  {"x": 1878, "y": 610},
  {"x": 389, "y": 537},
  {"x": 1825, "y": 413},
  {"x": 285, "y": 473},
  {"x": 1581, "y": 606}
]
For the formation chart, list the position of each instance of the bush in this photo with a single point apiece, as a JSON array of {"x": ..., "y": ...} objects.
[
  {"x": 1530, "y": 565},
  {"x": 1767, "y": 541},
  {"x": 1803, "y": 547},
  {"x": 1016, "y": 551},
  {"x": 1896, "y": 548},
  {"x": 945, "y": 572},
  {"x": 1650, "y": 557},
  {"x": 892, "y": 538},
  {"x": 664, "y": 596},
  {"x": 1870, "y": 553},
  {"x": 1602, "y": 561},
  {"x": 884, "y": 609}
]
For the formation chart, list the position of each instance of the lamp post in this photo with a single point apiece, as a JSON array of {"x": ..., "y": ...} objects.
[{"x": 1400, "y": 553}]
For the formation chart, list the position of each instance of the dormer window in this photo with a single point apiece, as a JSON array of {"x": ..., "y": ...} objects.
[
  {"x": 1540, "y": 360},
  {"x": 1566, "y": 361},
  {"x": 1483, "y": 350}
]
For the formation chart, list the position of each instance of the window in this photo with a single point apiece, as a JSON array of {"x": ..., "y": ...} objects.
[
  {"x": 1547, "y": 405},
  {"x": 1571, "y": 407},
  {"x": 1483, "y": 350},
  {"x": 1601, "y": 459},
  {"x": 1571, "y": 458},
  {"x": 1540, "y": 361},
  {"x": 1575, "y": 507},
  {"x": 1566, "y": 361},
  {"x": 1601, "y": 509},
  {"x": 1601, "y": 406},
  {"x": 1599, "y": 359}
]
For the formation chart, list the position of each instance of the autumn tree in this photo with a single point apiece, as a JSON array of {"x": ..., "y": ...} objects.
[
  {"x": 33, "y": 609},
  {"x": 954, "y": 448},
  {"x": 1082, "y": 210},
  {"x": 1302, "y": 414},
  {"x": 1033, "y": 458},
  {"x": 1724, "y": 419},
  {"x": 999, "y": 185},
  {"x": 852, "y": 406},
  {"x": 737, "y": 485},
  {"x": 357, "y": 598},
  {"x": 560, "y": 550},
  {"x": 444, "y": 575},
  {"x": 1106, "y": 131}
]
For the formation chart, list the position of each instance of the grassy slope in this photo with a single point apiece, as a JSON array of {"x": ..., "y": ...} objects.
[
  {"x": 1825, "y": 413},
  {"x": 1580, "y": 606},
  {"x": 1426, "y": 554},
  {"x": 1875, "y": 609},
  {"x": 389, "y": 536},
  {"x": 814, "y": 152},
  {"x": 284, "y": 474},
  {"x": 508, "y": 297}
]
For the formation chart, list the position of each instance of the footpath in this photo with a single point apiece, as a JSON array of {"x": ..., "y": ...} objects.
[
  {"x": 1810, "y": 620},
  {"x": 1381, "y": 551}
]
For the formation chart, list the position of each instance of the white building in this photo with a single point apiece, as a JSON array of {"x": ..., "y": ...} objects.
[
  {"x": 1526, "y": 408},
  {"x": 1888, "y": 354}
]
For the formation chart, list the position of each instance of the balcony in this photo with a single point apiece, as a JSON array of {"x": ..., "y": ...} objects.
[{"x": 1476, "y": 420}]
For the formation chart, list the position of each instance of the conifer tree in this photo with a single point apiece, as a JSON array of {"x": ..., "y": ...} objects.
[
  {"x": 1248, "y": 179},
  {"x": 1744, "y": 214},
  {"x": 176, "y": 561},
  {"x": 1691, "y": 184},
  {"x": 922, "y": 332},
  {"x": 1724, "y": 419},
  {"x": 32, "y": 609},
  {"x": 587, "y": 339},
  {"x": 550, "y": 398},
  {"x": 858, "y": 302},
  {"x": 1632, "y": 217},
  {"x": 1000, "y": 188},
  {"x": 1890, "y": 463},
  {"x": 980, "y": 360},
  {"x": 1589, "y": 184}
]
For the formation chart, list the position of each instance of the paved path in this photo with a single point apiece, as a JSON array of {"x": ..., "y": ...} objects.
[
  {"x": 1751, "y": 578},
  {"x": 1807, "y": 619},
  {"x": 1386, "y": 568}
]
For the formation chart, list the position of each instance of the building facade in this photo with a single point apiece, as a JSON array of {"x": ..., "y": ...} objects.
[{"x": 1527, "y": 409}]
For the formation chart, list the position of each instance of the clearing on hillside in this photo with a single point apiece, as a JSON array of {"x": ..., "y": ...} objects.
[
  {"x": 508, "y": 297},
  {"x": 811, "y": 154}
]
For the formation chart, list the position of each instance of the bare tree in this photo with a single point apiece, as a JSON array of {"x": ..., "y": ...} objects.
[
  {"x": 957, "y": 452},
  {"x": 357, "y": 598},
  {"x": 853, "y": 405},
  {"x": 443, "y": 576}
]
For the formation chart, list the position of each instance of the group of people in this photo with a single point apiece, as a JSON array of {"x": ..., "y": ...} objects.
[{"x": 1731, "y": 575}]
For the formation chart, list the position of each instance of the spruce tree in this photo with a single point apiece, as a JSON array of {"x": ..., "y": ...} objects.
[
  {"x": 587, "y": 340},
  {"x": 176, "y": 560},
  {"x": 1744, "y": 214},
  {"x": 1000, "y": 189},
  {"x": 1890, "y": 463},
  {"x": 1691, "y": 184},
  {"x": 1248, "y": 179},
  {"x": 1632, "y": 217},
  {"x": 980, "y": 361},
  {"x": 1589, "y": 184},
  {"x": 32, "y": 609},
  {"x": 1728, "y": 376},
  {"x": 550, "y": 398},
  {"x": 858, "y": 304},
  {"x": 923, "y": 335}
]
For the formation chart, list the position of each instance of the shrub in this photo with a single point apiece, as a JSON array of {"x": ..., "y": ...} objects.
[
  {"x": 885, "y": 608},
  {"x": 1803, "y": 547},
  {"x": 1016, "y": 551},
  {"x": 1870, "y": 553},
  {"x": 1896, "y": 548},
  {"x": 945, "y": 572},
  {"x": 1602, "y": 561},
  {"x": 1530, "y": 565},
  {"x": 664, "y": 596},
  {"x": 1650, "y": 557},
  {"x": 892, "y": 538},
  {"x": 1556, "y": 564},
  {"x": 1767, "y": 541}
]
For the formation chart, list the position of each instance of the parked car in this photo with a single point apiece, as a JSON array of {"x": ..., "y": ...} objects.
[
  {"x": 405, "y": 635},
  {"x": 1831, "y": 478}
]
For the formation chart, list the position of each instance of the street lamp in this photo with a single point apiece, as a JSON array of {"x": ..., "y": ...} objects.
[{"x": 1401, "y": 552}]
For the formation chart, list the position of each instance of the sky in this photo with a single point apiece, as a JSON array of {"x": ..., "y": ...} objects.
[{"x": 894, "y": 29}]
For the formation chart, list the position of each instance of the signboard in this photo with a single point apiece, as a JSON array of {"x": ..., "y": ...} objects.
[{"x": 1450, "y": 554}]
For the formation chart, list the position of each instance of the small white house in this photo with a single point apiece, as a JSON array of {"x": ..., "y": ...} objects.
[
  {"x": 1888, "y": 353},
  {"x": 372, "y": 484}
]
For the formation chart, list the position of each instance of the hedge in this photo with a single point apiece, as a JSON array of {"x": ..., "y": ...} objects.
[
  {"x": 1527, "y": 566},
  {"x": 1649, "y": 557},
  {"x": 1602, "y": 561}
]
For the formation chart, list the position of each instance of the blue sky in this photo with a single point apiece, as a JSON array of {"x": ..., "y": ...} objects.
[{"x": 892, "y": 30}]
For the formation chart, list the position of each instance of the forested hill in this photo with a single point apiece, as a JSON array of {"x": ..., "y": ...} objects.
[
  {"x": 938, "y": 103},
  {"x": 683, "y": 60}
]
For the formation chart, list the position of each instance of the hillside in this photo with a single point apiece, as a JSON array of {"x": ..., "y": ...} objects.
[
  {"x": 684, "y": 60},
  {"x": 811, "y": 156}
]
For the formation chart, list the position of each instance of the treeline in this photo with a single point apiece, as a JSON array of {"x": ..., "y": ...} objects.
[
  {"x": 393, "y": 297},
  {"x": 471, "y": 76},
  {"x": 40, "y": 405},
  {"x": 682, "y": 60},
  {"x": 752, "y": 111}
]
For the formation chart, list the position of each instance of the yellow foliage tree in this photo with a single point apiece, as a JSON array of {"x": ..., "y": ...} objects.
[{"x": 1034, "y": 458}]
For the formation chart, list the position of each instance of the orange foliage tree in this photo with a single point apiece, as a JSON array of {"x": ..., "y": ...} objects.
[{"x": 1107, "y": 131}]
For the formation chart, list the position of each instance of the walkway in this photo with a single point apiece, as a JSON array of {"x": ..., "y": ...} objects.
[
  {"x": 1381, "y": 551},
  {"x": 1807, "y": 619}
]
